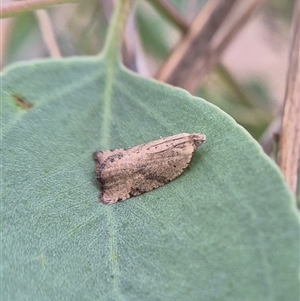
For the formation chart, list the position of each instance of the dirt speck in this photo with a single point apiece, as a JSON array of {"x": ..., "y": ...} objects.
[{"x": 21, "y": 102}]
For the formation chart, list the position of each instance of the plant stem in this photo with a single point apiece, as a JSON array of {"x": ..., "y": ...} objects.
[
  {"x": 171, "y": 13},
  {"x": 289, "y": 142},
  {"x": 116, "y": 29},
  {"x": 48, "y": 33},
  {"x": 20, "y": 7}
]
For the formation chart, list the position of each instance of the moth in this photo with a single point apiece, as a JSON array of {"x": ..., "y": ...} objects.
[{"x": 123, "y": 173}]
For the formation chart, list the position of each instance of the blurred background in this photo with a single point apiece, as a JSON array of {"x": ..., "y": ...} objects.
[{"x": 245, "y": 77}]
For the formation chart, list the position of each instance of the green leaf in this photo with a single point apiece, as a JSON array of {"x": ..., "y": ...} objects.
[{"x": 226, "y": 229}]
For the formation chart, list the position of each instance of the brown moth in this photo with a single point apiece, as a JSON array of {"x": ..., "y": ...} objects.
[{"x": 124, "y": 173}]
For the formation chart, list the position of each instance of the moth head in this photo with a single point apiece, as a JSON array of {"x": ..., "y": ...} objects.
[{"x": 198, "y": 139}]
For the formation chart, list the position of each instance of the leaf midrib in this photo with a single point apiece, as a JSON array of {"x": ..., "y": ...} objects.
[{"x": 111, "y": 67}]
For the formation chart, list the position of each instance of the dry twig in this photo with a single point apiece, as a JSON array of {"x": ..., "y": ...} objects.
[
  {"x": 170, "y": 13},
  {"x": 12, "y": 9},
  {"x": 48, "y": 33},
  {"x": 198, "y": 51},
  {"x": 289, "y": 143}
]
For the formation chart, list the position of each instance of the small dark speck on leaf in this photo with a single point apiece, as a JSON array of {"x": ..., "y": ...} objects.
[{"x": 21, "y": 102}]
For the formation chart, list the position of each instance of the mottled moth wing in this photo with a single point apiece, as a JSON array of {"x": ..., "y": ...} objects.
[{"x": 123, "y": 173}]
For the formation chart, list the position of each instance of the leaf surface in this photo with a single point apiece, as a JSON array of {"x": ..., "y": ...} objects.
[{"x": 226, "y": 229}]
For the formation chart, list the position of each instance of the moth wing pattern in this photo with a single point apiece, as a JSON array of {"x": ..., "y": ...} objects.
[{"x": 123, "y": 173}]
